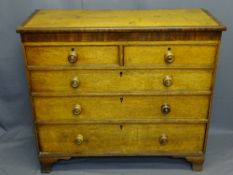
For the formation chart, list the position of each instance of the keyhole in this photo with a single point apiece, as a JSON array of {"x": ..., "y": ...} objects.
[
  {"x": 72, "y": 49},
  {"x": 169, "y": 49},
  {"x": 121, "y": 127},
  {"x": 121, "y": 99},
  {"x": 121, "y": 74}
]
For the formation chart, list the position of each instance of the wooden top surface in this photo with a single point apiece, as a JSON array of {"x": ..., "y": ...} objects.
[{"x": 120, "y": 20}]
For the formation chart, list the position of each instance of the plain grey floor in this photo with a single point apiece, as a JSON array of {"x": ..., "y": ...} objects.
[{"x": 17, "y": 148}]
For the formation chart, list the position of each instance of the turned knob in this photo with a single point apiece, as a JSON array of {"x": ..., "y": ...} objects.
[
  {"x": 79, "y": 139},
  {"x": 167, "y": 81},
  {"x": 72, "y": 57},
  {"x": 77, "y": 109},
  {"x": 163, "y": 140},
  {"x": 165, "y": 109},
  {"x": 169, "y": 57},
  {"x": 75, "y": 82}
]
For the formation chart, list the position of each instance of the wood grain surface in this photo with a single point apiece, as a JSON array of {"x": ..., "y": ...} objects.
[
  {"x": 58, "y": 55},
  {"x": 121, "y": 139},
  {"x": 117, "y": 80},
  {"x": 121, "y": 70},
  {"x": 105, "y": 20},
  {"x": 120, "y": 107}
]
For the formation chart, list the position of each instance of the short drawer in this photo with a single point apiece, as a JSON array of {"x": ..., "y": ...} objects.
[
  {"x": 71, "y": 55},
  {"x": 120, "y": 108},
  {"x": 117, "y": 80},
  {"x": 170, "y": 54},
  {"x": 122, "y": 139}
]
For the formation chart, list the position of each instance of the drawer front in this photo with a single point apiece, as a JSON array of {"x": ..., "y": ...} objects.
[
  {"x": 182, "y": 54},
  {"x": 58, "y": 55},
  {"x": 128, "y": 139},
  {"x": 116, "y": 80},
  {"x": 116, "y": 107}
]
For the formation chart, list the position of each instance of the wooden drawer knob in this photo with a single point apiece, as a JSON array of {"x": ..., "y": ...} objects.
[
  {"x": 165, "y": 108},
  {"x": 167, "y": 81},
  {"x": 169, "y": 57},
  {"x": 77, "y": 109},
  {"x": 75, "y": 82},
  {"x": 163, "y": 140},
  {"x": 79, "y": 139},
  {"x": 72, "y": 57}
]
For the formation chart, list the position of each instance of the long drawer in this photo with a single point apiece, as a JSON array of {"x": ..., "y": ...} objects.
[
  {"x": 120, "y": 80},
  {"x": 120, "y": 107},
  {"x": 127, "y": 139}
]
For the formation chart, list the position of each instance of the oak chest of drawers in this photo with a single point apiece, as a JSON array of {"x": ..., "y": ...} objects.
[{"x": 121, "y": 82}]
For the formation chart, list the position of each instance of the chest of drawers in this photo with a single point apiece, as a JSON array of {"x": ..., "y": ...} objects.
[{"x": 121, "y": 82}]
